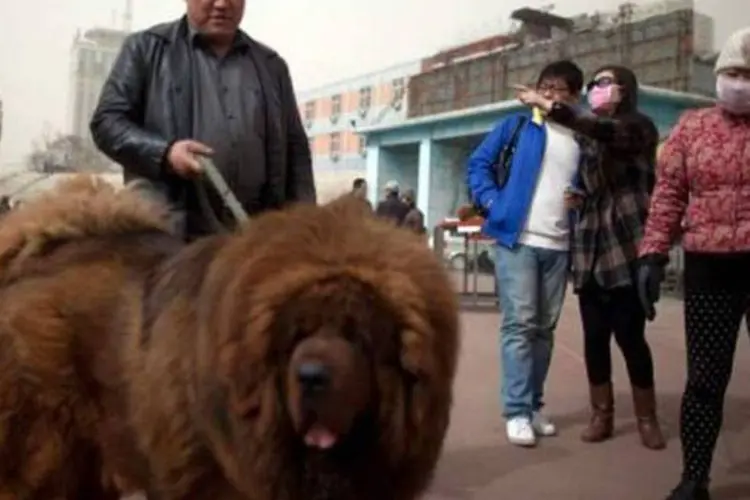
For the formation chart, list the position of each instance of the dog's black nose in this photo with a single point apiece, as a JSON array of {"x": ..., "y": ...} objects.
[{"x": 313, "y": 376}]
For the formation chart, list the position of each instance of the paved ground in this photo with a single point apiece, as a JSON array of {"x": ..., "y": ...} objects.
[{"x": 478, "y": 463}]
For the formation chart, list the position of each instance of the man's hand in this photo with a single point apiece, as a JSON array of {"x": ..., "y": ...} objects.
[{"x": 182, "y": 157}]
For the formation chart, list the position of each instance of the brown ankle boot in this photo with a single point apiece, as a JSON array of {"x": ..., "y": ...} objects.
[
  {"x": 601, "y": 424},
  {"x": 644, "y": 402}
]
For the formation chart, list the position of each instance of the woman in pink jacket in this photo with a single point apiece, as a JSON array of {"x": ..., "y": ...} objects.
[{"x": 703, "y": 189}]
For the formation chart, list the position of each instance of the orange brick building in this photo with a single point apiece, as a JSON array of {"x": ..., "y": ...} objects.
[{"x": 333, "y": 113}]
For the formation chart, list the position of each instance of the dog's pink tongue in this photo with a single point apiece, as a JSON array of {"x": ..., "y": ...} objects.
[{"x": 320, "y": 437}]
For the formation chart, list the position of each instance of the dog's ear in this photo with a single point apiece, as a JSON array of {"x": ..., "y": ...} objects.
[{"x": 414, "y": 407}]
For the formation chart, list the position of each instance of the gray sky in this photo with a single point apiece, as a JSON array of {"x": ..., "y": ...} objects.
[{"x": 323, "y": 40}]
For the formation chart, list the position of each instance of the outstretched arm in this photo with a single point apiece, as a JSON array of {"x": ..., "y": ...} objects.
[{"x": 629, "y": 134}]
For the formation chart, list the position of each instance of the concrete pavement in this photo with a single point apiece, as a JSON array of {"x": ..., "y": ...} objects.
[{"x": 478, "y": 463}]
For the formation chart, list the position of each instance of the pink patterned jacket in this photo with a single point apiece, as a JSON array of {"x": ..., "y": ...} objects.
[{"x": 702, "y": 186}]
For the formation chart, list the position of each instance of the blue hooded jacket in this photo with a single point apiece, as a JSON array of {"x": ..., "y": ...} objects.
[{"x": 508, "y": 207}]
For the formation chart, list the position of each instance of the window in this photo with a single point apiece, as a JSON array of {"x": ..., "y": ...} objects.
[
  {"x": 365, "y": 98},
  {"x": 335, "y": 107},
  {"x": 335, "y": 145},
  {"x": 362, "y": 145},
  {"x": 309, "y": 111}
]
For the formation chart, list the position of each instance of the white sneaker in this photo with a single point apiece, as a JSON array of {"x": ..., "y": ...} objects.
[
  {"x": 543, "y": 426},
  {"x": 520, "y": 432}
]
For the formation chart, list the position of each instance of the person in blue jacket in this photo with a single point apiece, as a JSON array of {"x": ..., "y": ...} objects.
[{"x": 529, "y": 218}]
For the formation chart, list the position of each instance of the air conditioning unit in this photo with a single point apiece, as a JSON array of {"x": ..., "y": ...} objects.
[{"x": 335, "y": 118}]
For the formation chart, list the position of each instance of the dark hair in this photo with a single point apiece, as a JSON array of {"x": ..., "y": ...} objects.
[
  {"x": 640, "y": 125},
  {"x": 628, "y": 82},
  {"x": 358, "y": 183},
  {"x": 565, "y": 70}
]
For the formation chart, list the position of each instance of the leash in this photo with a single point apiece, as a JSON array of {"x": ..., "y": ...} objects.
[{"x": 216, "y": 180}]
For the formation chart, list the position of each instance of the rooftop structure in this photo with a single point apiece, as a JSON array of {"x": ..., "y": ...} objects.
[{"x": 667, "y": 44}]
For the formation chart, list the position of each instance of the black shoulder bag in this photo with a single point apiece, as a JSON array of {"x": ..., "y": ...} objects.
[{"x": 501, "y": 167}]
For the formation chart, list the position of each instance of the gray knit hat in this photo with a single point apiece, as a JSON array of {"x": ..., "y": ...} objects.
[{"x": 736, "y": 52}]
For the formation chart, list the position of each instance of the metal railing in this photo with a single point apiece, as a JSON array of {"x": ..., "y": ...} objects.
[{"x": 476, "y": 284}]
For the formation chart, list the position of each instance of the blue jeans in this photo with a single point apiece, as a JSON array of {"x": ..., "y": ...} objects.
[{"x": 531, "y": 284}]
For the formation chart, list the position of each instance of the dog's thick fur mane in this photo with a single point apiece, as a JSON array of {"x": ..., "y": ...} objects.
[
  {"x": 323, "y": 244},
  {"x": 37, "y": 340},
  {"x": 185, "y": 349},
  {"x": 76, "y": 208}
]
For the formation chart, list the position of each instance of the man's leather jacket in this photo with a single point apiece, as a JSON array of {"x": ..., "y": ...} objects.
[{"x": 146, "y": 105}]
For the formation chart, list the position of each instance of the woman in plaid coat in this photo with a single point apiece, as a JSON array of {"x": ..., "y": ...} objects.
[{"x": 618, "y": 147}]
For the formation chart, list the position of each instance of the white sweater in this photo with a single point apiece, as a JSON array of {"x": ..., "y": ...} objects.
[{"x": 547, "y": 224}]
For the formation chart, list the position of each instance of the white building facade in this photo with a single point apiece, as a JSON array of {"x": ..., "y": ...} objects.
[
  {"x": 92, "y": 55},
  {"x": 332, "y": 114}
]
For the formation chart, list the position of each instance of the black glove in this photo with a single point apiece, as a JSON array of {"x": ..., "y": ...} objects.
[{"x": 650, "y": 275}]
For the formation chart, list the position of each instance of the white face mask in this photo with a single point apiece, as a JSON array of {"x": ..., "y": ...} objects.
[{"x": 733, "y": 94}]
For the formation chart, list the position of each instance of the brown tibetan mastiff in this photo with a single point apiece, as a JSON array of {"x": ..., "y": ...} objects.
[{"x": 309, "y": 356}]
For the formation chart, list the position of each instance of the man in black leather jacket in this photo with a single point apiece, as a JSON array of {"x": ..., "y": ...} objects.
[{"x": 201, "y": 86}]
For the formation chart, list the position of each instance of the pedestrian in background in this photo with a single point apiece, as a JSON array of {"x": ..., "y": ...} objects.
[
  {"x": 359, "y": 191},
  {"x": 392, "y": 207},
  {"x": 414, "y": 218}
]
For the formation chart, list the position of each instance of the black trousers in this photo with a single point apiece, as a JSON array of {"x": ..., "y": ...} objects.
[
  {"x": 617, "y": 312},
  {"x": 716, "y": 299}
]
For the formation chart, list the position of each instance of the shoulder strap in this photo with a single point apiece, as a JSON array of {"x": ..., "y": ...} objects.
[{"x": 517, "y": 131}]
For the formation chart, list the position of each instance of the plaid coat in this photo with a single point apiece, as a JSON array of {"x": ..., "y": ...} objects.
[{"x": 617, "y": 174}]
